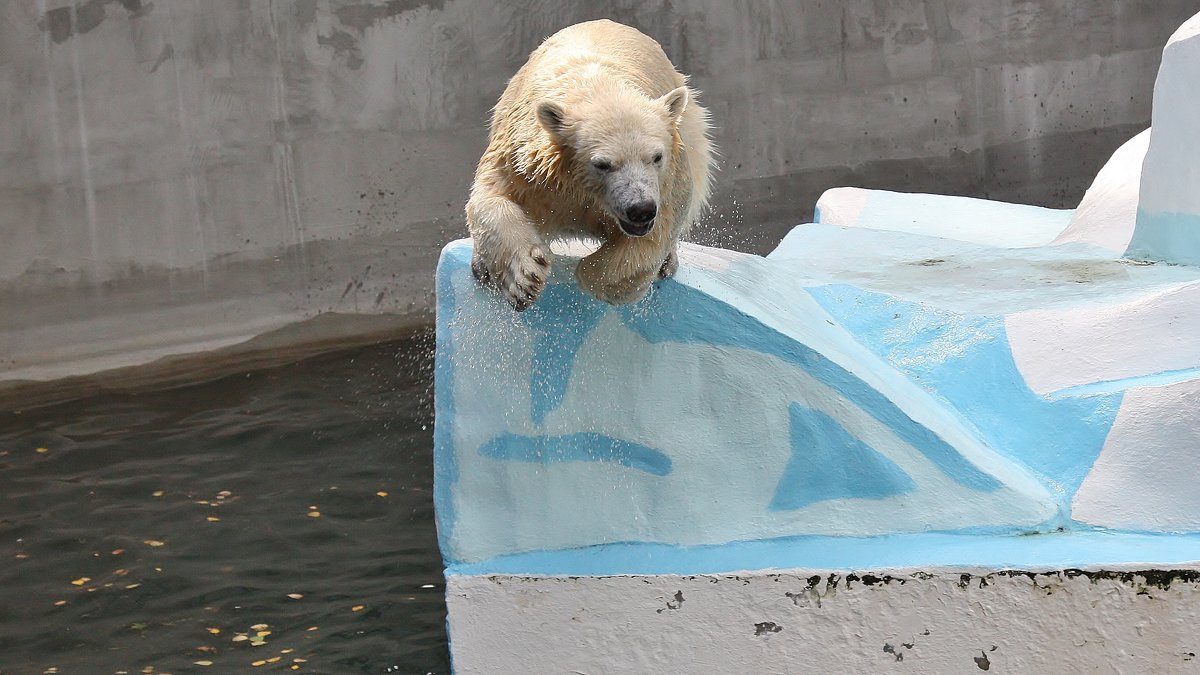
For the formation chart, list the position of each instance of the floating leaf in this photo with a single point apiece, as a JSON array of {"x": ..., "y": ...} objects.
[
  {"x": 214, "y": 631},
  {"x": 212, "y": 519},
  {"x": 118, "y": 551},
  {"x": 42, "y": 451},
  {"x": 154, "y": 542},
  {"x": 258, "y": 663},
  {"x": 274, "y": 659},
  {"x": 240, "y": 637},
  {"x": 381, "y": 493},
  {"x": 286, "y": 651},
  {"x": 22, "y": 556},
  {"x": 313, "y": 628},
  {"x": 81, "y": 581},
  {"x": 357, "y": 608},
  {"x": 295, "y": 596},
  {"x": 314, "y": 514},
  {"x": 259, "y": 626},
  {"x": 157, "y": 493},
  {"x": 132, "y": 586},
  {"x": 60, "y": 603},
  {"x": 202, "y": 663}
]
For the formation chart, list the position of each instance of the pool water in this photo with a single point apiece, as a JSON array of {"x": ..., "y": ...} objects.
[{"x": 278, "y": 520}]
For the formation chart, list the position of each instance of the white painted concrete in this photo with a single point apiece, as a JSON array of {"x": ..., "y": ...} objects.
[
  {"x": 1144, "y": 478},
  {"x": 976, "y": 221},
  {"x": 1168, "y": 223},
  {"x": 1108, "y": 212},
  {"x": 815, "y": 621},
  {"x": 1107, "y": 342}
]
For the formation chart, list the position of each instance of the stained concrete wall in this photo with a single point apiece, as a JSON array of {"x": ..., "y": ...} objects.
[{"x": 180, "y": 175}]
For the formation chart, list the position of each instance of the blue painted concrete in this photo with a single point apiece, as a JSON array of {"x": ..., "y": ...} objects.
[
  {"x": 445, "y": 463},
  {"x": 578, "y": 447},
  {"x": 828, "y": 463},
  {"x": 684, "y": 314},
  {"x": 924, "y": 551},
  {"x": 562, "y": 319},
  {"x": 966, "y": 361},
  {"x": 1167, "y": 237}
]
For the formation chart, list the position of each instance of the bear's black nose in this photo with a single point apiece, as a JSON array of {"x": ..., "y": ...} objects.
[{"x": 641, "y": 213}]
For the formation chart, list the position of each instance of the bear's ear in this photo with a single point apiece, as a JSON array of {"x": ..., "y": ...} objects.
[
  {"x": 675, "y": 101},
  {"x": 550, "y": 115}
]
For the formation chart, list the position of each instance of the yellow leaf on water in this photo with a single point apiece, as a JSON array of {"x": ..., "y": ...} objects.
[
  {"x": 240, "y": 638},
  {"x": 314, "y": 514},
  {"x": 154, "y": 542},
  {"x": 259, "y": 626},
  {"x": 214, "y": 631},
  {"x": 295, "y": 596},
  {"x": 274, "y": 659},
  {"x": 258, "y": 663},
  {"x": 263, "y": 633},
  {"x": 357, "y": 608},
  {"x": 132, "y": 586},
  {"x": 300, "y": 660},
  {"x": 42, "y": 451},
  {"x": 286, "y": 651},
  {"x": 157, "y": 493},
  {"x": 313, "y": 628},
  {"x": 21, "y": 556},
  {"x": 202, "y": 663},
  {"x": 81, "y": 581},
  {"x": 212, "y": 519},
  {"x": 294, "y": 667},
  {"x": 118, "y": 551},
  {"x": 381, "y": 493},
  {"x": 60, "y": 603}
]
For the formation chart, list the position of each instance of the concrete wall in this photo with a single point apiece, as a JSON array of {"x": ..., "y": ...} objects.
[{"x": 179, "y": 175}]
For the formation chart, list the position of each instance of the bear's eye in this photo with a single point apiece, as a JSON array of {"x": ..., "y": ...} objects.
[
  {"x": 658, "y": 158},
  {"x": 602, "y": 164}
]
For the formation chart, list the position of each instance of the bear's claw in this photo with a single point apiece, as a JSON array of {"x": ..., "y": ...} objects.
[
  {"x": 520, "y": 281},
  {"x": 669, "y": 266}
]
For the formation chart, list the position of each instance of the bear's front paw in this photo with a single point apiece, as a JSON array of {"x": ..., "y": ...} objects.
[
  {"x": 669, "y": 267},
  {"x": 520, "y": 280}
]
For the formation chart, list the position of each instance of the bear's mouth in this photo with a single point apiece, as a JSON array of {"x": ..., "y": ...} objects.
[{"x": 635, "y": 229}]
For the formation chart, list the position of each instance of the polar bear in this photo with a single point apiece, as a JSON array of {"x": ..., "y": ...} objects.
[{"x": 596, "y": 137}]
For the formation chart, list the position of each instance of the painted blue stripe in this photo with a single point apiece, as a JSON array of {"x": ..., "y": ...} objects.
[
  {"x": 561, "y": 320},
  {"x": 445, "y": 461},
  {"x": 927, "y": 550},
  {"x": 827, "y": 462},
  {"x": 1126, "y": 383},
  {"x": 680, "y": 313},
  {"x": 578, "y": 447},
  {"x": 1169, "y": 237}
]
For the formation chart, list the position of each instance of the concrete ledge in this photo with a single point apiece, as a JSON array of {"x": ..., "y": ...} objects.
[{"x": 927, "y": 620}]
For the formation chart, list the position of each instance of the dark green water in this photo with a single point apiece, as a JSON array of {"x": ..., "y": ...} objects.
[{"x": 183, "y": 519}]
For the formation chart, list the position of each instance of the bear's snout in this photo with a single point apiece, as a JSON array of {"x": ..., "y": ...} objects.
[{"x": 641, "y": 212}]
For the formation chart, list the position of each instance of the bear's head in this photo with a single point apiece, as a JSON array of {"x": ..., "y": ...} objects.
[{"x": 621, "y": 146}]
